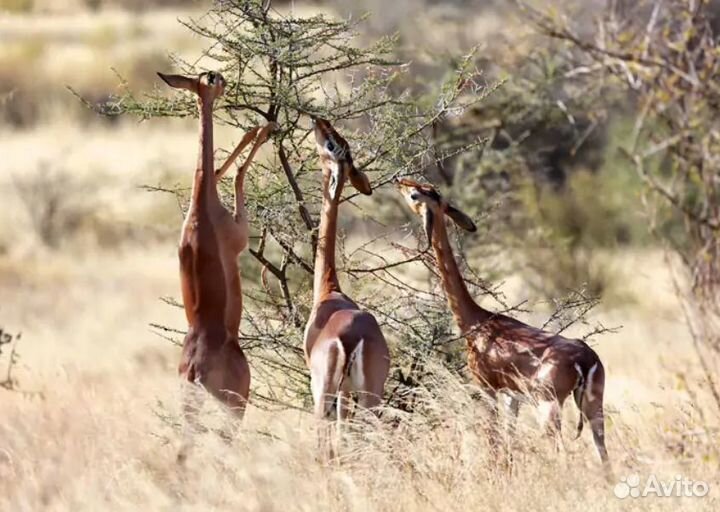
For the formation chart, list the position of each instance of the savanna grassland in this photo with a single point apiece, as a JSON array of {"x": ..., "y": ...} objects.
[{"x": 87, "y": 254}]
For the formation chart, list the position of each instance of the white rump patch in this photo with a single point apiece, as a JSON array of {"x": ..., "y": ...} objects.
[
  {"x": 581, "y": 378},
  {"x": 339, "y": 365},
  {"x": 355, "y": 367},
  {"x": 322, "y": 382},
  {"x": 588, "y": 386}
]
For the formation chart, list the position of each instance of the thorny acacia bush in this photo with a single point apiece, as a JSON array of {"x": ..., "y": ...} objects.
[
  {"x": 665, "y": 56},
  {"x": 282, "y": 68}
]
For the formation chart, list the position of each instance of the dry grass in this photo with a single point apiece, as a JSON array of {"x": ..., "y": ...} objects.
[
  {"x": 103, "y": 434},
  {"x": 104, "y": 437}
]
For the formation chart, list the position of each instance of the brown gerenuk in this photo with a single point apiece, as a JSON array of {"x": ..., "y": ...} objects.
[
  {"x": 344, "y": 346},
  {"x": 210, "y": 242},
  {"x": 504, "y": 354}
]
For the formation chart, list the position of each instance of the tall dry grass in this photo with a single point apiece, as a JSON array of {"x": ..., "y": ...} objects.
[
  {"x": 95, "y": 424},
  {"x": 110, "y": 444},
  {"x": 104, "y": 432}
]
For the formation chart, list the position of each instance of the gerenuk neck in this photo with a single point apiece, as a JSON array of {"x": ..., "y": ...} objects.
[
  {"x": 325, "y": 279},
  {"x": 466, "y": 311},
  {"x": 204, "y": 189},
  {"x": 209, "y": 277}
]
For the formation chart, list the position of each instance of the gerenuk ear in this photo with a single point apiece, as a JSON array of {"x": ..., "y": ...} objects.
[
  {"x": 460, "y": 218},
  {"x": 180, "y": 82},
  {"x": 360, "y": 181}
]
